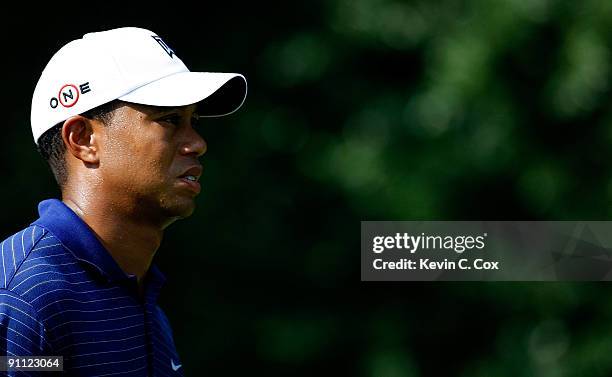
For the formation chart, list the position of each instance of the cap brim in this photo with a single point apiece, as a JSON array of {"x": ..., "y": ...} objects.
[{"x": 216, "y": 93}]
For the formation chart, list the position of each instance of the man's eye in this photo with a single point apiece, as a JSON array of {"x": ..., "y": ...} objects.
[
  {"x": 195, "y": 120},
  {"x": 173, "y": 119}
]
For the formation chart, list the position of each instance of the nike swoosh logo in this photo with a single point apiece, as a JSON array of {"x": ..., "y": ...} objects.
[{"x": 175, "y": 367}]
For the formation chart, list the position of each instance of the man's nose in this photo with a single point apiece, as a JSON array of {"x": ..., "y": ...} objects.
[{"x": 194, "y": 143}]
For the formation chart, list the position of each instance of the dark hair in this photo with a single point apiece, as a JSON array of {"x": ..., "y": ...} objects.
[{"x": 51, "y": 145}]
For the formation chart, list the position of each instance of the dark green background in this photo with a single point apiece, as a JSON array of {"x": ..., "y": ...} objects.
[{"x": 362, "y": 110}]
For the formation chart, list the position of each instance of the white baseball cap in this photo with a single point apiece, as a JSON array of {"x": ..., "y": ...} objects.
[{"x": 132, "y": 65}]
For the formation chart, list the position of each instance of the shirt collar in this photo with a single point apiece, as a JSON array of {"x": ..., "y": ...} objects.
[{"x": 79, "y": 239}]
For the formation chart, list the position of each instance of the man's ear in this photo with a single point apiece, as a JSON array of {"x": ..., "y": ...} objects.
[{"x": 81, "y": 139}]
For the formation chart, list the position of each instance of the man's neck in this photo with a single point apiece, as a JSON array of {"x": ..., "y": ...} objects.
[{"x": 131, "y": 243}]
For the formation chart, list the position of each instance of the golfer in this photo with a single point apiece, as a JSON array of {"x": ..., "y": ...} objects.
[{"x": 113, "y": 114}]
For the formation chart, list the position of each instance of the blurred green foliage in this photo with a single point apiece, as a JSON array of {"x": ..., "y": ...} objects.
[{"x": 369, "y": 110}]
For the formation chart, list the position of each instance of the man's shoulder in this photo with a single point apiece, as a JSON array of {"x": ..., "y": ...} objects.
[
  {"x": 23, "y": 252},
  {"x": 21, "y": 327}
]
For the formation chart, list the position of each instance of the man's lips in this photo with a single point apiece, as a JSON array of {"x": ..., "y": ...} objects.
[
  {"x": 194, "y": 171},
  {"x": 190, "y": 178}
]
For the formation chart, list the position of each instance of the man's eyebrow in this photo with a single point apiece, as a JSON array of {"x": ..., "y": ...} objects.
[
  {"x": 164, "y": 109},
  {"x": 156, "y": 110}
]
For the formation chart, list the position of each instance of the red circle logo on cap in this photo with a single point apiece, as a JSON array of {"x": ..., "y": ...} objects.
[{"x": 68, "y": 95}]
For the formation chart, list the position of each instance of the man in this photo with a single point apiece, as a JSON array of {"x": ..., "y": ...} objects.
[{"x": 113, "y": 114}]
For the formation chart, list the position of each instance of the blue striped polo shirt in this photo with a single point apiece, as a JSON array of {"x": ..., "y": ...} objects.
[{"x": 62, "y": 294}]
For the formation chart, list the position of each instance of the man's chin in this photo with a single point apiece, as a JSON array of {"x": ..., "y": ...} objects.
[
  {"x": 183, "y": 208},
  {"x": 177, "y": 208}
]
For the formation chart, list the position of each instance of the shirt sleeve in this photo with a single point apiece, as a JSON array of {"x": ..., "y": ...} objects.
[{"x": 22, "y": 333}]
